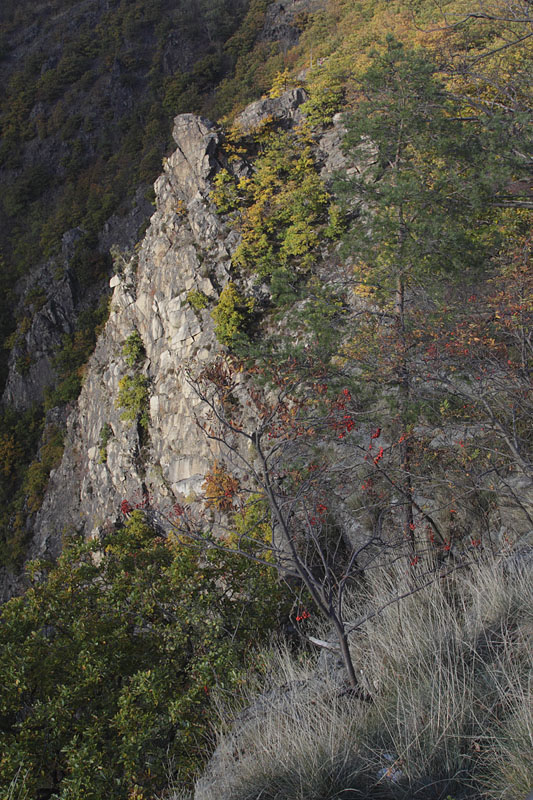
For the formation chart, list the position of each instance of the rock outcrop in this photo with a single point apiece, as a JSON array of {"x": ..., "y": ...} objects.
[
  {"x": 45, "y": 316},
  {"x": 51, "y": 299},
  {"x": 285, "y": 110},
  {"x": 187, "y": 248},
  {"x": 283, "y": 21}
]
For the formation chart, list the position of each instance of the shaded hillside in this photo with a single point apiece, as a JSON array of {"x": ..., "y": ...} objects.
[{"x": 90, "y": 92}]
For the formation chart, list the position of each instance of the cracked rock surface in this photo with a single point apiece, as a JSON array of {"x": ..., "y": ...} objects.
[{"x": 186, "y": 247}]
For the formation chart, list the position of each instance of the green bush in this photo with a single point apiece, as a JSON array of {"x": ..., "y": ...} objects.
[
  {"x": 133, "y": 396},
  {"x": 225, "y": 194},
  {"x": 23, "y": 363},
  {"x": 133, "y": 349},
  {"x": 231, "y": 314},
  {"x": 326, "y": 99},
  {"x": 197, "y": 300},
  {"x": 109, "y": 659},
  {"x": 284, "y": 207},
  {"x": 35, "y": 299},
  {"x": 106, "y": 434},
  {"x": 76, "y": 348}
]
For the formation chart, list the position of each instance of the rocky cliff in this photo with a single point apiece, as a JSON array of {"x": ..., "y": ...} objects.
[
  {"x": 51, "y": 299},
  {"x": 187, "y": 248},
  {"x": 132, "y": 436}
]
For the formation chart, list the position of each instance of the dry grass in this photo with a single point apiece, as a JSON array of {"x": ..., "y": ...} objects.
[
  {"x": 298, "y": 720},
  {"x": 449, "y": 669}
]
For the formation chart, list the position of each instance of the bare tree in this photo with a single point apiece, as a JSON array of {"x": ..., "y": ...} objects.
[{"x": 284, "y": 458}]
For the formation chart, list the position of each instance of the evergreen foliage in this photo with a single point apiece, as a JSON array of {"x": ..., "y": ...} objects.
[
  {"x": 71, "y": 359},
  {"x": 36, "y": 478},
  {"x": 133, "y": 397},
  {"x": 425, "y": 202},
  {"x": 231, "y": 315}
]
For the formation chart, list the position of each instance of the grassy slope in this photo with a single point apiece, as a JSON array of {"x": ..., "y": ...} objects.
[{"x": 451, "y": 713}]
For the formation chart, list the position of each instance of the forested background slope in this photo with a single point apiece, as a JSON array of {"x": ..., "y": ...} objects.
[{"x": 90, "y": 90}]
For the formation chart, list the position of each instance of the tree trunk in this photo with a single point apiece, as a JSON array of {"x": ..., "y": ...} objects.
[{"x": 404, "y": 398}]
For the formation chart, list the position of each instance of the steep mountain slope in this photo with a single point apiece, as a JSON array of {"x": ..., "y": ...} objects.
[
  {"x": 112, "y": 456},
  {"x": 90, "y": 89},
  {"x": 86, "y": 116},
  {"x": 47, "y": 315},
  {"x": 315, "y": 372}
]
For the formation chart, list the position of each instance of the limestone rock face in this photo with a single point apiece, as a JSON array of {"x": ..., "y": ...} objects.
[
  {"x": 186, "y": 248},
  {"x": 284, "y": 109},
  {"x": 193, "y": 161}
]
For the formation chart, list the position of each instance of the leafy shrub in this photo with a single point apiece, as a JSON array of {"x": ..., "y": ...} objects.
[
  {"x": 133, "y": 395},
  {"x": 198, "y": 300},
  {"x": 231, "y": 314},
  {"x": 23, "y": 363},
  {"x": 280, "y": 83},
  {"x": 220, "y": 488},
  {"x": 35, "y": 299},
  {"x": 37, "y": 476},
  {"x": 285, "y": 207},
  {"x": 109, "y": 659},
  {"x": 106, "y": 434},
  {"x": 326, "y": 99},
  {"x": 336, "y": 222},
  {"x": 133, "y": 349},
  {"x": 29, "y": 187},
  {"x": 225, "y": 195},
  {"x": 119, "y": 259}
]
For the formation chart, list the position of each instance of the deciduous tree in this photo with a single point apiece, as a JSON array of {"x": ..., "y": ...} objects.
[{"x": 422, "y": 199}]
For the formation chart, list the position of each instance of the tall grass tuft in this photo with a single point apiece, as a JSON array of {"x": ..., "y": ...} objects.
[{"x": 449, "y": 672}]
